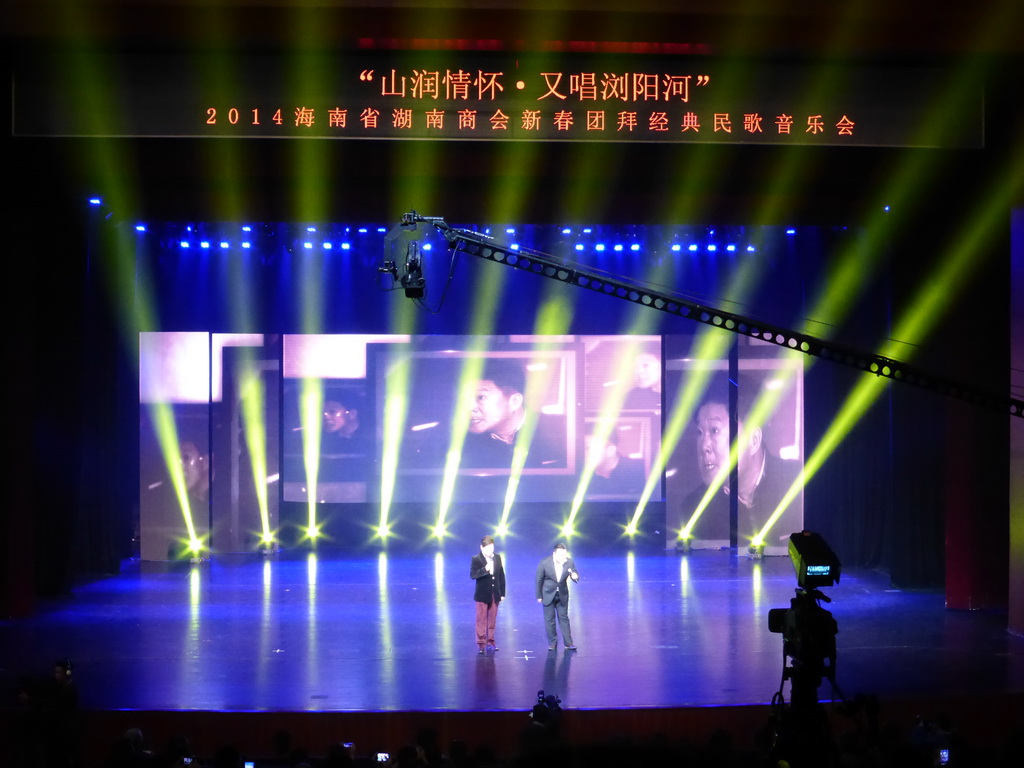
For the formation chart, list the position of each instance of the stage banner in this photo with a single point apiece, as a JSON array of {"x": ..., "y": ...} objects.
[{"x": 493, "y": 96}]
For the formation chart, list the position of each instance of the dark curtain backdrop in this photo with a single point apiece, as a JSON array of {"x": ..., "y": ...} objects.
[
  {"x": 849, "y": 500},
  {"x": 107, "y": 490}
]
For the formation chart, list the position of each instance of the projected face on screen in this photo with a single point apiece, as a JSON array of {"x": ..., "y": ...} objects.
[
  {"x": 647, "y": 372},
  {"x": 475, "y": 414},
  {"x": 497, "y": 408},
  {"x": 194, "y": 466},
  {"x": 208, "y": 442},
  {"x": 712, "y": 431},
  {"x": 505, "y": 413},
  {"x": 340, "y": 420},
  {"x": 713, "y": 440},
  {"x": 767, "y": 391}
]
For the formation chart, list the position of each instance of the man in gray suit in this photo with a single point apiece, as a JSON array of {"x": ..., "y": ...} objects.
[{"x": 553, "y": 574}]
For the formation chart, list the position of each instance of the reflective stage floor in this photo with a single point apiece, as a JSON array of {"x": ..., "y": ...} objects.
[{"x": 318, "y": 633}]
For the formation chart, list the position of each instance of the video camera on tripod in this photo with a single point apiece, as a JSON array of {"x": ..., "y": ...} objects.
[{"x": 808, "y": 630}]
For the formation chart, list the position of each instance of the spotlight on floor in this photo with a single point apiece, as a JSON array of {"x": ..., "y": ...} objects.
[
  {"x": 267, "y": 545},
  {"x": 195, "y": 550}
]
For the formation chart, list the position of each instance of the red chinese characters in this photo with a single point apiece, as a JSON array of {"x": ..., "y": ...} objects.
[{"x": 562, "y": 122}]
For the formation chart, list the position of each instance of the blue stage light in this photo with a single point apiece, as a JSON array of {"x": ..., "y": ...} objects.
[
  {"x": 599, "y": 247},
  {"x": 514, "y": 246},
  {"x": 307, "y": 245},
  {"x": 634, "y": 247},
  {"x": 693, "y": 247},
  {"x": 247, "y": 228},
  {"x": 328, "y": 246},
  {"x": 677, "y": 247},
  {"x": 510, "y": 230},
  {"x": 204, "y": 243},
  {"x": 140, "y": 227},
  {"x": 427, "y": 247},
  {"x": 345, "y": 246},
  {"x": 617, "y": 247},
  {"x": 311, "y": 229},
  {"x": 712, "y": 247},
  {"x": 223, "y": 244},
  {"x": 362, "y": 230},
  {"x": 382, "y": 230},
  {"x": 587, "y": 230},
  {"x": 730, "y": 248},
  {"x": 184, "y": 244},
  {"x": 751, "y": 249},
  {"x": 566, "y": 231},
  {"x": 579, "y": 246},
  {"x": 95, "y": 201},
  {"x": 246, "y": 244},
  {"x": 790, "y": 231}
]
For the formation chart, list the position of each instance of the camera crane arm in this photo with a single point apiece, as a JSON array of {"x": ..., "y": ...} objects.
[{"x": 486, "y": 247}]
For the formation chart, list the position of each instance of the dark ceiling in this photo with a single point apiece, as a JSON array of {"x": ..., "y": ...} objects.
[{"x": 727, "y": 27}]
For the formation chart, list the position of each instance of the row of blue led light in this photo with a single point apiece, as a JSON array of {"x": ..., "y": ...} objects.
[
  {"x": 580, "y": 247},
  {"x": 345, "y": 245}
]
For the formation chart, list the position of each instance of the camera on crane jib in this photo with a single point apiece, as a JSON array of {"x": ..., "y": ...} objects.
[{"x": 808, "y": 630}]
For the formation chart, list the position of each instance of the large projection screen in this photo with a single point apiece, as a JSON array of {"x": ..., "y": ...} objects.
[
  {"x": 433, "y": 420},
  {"x": 414, "y": 398}
]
